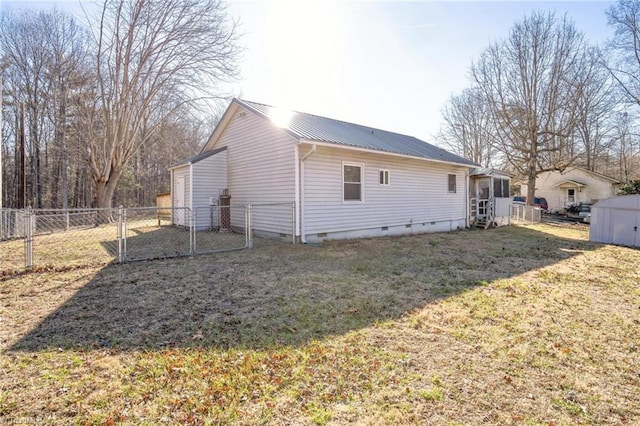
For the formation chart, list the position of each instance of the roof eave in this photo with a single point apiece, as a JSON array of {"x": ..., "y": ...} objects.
[{"x": 374, "y": 151}]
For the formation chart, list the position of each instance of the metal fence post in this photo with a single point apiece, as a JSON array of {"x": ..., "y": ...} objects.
[
  {"x": 192, "y": 230},
  {"x": 28, "y": 233},
  {"x": 247, "y": 213},
  {"x": 121, "y": 233}
]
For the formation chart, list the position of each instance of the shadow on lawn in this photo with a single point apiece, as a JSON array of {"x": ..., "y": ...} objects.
[{"x": 286, "y": 294}]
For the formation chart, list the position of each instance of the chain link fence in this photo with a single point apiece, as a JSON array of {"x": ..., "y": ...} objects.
[
  {"x": 76, "y": 237},
  {"x": 272, "y": 221},
  {"x": 149, "y": 235},
  {"x": 220, "y": 228},
  {"x": 72, "y": 237},
  {"x": 524, "y": 215}
]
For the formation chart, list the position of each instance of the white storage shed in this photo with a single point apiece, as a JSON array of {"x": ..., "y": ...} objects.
[{"x": 616, "y": 220}]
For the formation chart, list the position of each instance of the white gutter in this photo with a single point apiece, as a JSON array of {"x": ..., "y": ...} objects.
[
  {"x": 467, "y": 182},
  {"x": 191, "y": 191},
  {"x": 302, "y": 230},
  {"x": 296, "y": 157}
]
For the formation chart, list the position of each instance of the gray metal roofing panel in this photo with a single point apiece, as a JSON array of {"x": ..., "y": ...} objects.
[
  {"x": 199, "y": 157},
  {"x": 322, "y": 129},
  {"x": 488, "y": 171}
]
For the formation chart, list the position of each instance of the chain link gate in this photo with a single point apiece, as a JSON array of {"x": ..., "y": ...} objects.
[
  {"x": 149, "y": 235},
  {"x": 220, "y": 228}
]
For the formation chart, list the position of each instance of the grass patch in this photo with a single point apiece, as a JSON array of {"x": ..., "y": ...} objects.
[{"x": 524, "y": 325}]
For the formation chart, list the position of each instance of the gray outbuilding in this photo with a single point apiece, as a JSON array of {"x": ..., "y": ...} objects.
[{"x": 616, "y": 220}]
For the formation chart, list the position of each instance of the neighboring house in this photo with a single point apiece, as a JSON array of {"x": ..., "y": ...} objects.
[
  {"x": 572, "y": 186},
  {"x": 345, "y": 180}
]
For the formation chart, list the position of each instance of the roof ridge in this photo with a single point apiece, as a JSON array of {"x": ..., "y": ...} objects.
[
  {"x": 338, "y": 120},
  {"x": 312, "y": 127}
]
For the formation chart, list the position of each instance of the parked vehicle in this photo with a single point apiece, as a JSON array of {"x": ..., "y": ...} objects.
[
  {"x": 581, "y": 210},
  {"x": 539, "y": 202}
]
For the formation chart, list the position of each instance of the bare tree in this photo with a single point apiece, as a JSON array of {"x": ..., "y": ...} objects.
[
  {"x": 468, "y": 128},
  {"x": 153, "y": 57},
  {"x": 67, "y": 51},
  {"x": 624, "y": 48},
  {"x": 528, "y": 80},
  {"x": 626, "y": 147},
  {"x": 597, "y": 108},
  {"x": 24, "y": 48},
  {"x": 43, "y": 51}
]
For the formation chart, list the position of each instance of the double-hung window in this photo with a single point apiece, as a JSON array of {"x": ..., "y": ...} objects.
[
  {"x": 352, "y": 177},
  {"x": 452, "y": 183}
]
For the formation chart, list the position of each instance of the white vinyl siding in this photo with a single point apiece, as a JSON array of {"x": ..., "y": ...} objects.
[
  {"x": 417, "y": 195},
  {"x": 210, "y": 178},
  {"x": 261, "y": 168}
]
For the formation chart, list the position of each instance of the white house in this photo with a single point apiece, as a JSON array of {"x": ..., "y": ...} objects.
[
  {"x": 345, "y": 180},
  {"x": 572, "y": 186}
]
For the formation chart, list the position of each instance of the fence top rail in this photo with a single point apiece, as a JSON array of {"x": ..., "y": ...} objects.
[
  {"x": 155, "y": 208},
  {"x": 287, "y": 203},
  {"x": 72, "y": 210}
]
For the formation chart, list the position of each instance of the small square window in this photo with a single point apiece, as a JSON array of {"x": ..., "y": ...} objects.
[
  {"x": 452, "y": 183},
  {"x": 384, "y": 177}
]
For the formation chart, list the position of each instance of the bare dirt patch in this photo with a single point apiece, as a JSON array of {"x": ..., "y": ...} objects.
[{"x": 514, "y": 325}]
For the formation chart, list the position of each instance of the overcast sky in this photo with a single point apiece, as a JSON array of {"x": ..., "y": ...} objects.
[{"x": 385, "y": 64}]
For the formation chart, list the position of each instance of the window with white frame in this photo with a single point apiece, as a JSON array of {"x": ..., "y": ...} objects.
[
  {"x": 384, "y": 177},
  {"x": 501, "y": 188},
  {"x": 452, "y": 183},
  {"x": 352, "y": 182}
]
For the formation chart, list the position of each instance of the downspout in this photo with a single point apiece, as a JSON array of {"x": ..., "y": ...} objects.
[
  {"x": 296, "y": 162},
  {"x": 302, "y": 230},
  {"x": 191, "y": 212},
  {"x": 467, "y": 211}
]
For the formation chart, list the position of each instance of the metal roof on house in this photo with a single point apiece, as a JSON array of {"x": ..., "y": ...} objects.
[
  {"x": 314, "y": 128},
  {"x": 198, "y": 157},
  {"x": 487, "y": 171}
]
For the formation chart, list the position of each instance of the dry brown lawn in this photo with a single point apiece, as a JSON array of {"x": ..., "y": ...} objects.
[{"x": 517, "y": 325}]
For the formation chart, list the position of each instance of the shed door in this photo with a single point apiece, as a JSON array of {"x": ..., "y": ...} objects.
[
  {"x": 179, "y": 217},
  {"x": 625, "y": 227}
]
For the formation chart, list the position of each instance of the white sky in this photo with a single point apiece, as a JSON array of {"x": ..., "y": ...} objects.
[{"x": 390, "y": 65}]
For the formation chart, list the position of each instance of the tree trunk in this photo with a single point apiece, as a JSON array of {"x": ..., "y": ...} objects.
[
  {"x": 105, "y": 189},
  {"x": 532, "y": 170}
]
